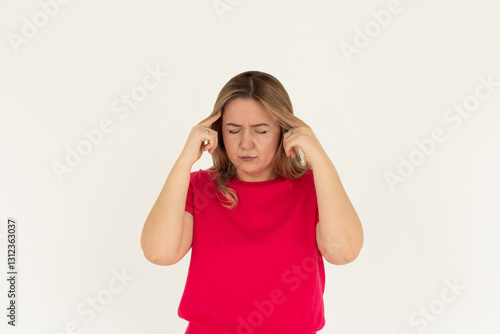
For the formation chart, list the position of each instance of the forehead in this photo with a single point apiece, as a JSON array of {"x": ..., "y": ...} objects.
[{"x": 241, "y": 110}]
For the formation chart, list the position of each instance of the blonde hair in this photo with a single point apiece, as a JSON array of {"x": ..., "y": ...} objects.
[{"x": 269, "y": 91}]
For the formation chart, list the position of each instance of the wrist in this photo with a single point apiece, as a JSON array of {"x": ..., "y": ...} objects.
[
  {"x": 184, "y": 162},
  {"x": 320, "y": 159}
]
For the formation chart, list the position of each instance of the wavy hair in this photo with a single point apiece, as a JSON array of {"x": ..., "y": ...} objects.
[{"x": 269, "y": 91}]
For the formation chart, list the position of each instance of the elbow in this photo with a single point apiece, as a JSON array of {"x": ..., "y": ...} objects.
[
  {"x": 345, "y": 254},
  {"x": 160, "y": 260},
  {"x": 157, "y": 257},
  {"x": 340, "y": 256},
  {"x": 341, "y": 249}
]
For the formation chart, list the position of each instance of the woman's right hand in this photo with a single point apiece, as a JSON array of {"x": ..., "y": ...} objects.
[{"x": 194, "y": 147}]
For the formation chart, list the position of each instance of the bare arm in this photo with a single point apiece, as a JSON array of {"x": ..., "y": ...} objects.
[
  {"x": 162, "y": 232},
  {"x": 168, "y": 231},
  {"x": 339, "y": 232}
]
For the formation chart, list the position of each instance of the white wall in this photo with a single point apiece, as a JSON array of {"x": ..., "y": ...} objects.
[{"x": 368, "y": 107}]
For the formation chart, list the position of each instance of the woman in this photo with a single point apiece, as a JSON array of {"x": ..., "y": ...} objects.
[{"x": 259, "y": 222}]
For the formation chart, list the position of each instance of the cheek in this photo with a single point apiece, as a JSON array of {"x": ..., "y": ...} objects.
[
  {"x": 271, "y": 144},
  {"x": 268, "y": 139},
  {"x": 275, "y": 141},
  {"x": 229, "y": 144}
]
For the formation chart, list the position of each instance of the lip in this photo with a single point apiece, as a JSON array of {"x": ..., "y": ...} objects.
[{"x": 247, "y": 158}]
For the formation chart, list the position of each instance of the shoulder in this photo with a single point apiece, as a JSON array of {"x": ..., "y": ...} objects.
[
  {"x": 307, "y": 180},
  {"x": 202, "y": 175},
  {"x": 309, "y": 172},
  {"x": 308, "y": 176}
]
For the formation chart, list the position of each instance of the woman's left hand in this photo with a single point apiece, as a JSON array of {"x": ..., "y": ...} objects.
[{"x": 305, "y": 139}]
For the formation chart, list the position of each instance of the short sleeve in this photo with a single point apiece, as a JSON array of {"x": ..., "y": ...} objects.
[{"x": 190, "y": 195}]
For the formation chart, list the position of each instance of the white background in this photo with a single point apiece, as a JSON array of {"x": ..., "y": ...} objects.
[{"x": 367, "y": 110}]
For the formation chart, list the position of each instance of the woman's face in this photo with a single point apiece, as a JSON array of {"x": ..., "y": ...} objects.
[{"x": 248, "y": 131}]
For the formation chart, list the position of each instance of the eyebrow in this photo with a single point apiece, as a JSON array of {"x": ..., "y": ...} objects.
[{"x": 253, "y": 126}]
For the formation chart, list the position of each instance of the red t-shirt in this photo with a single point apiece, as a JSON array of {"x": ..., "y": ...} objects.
[{"x": 255, "y": 269}]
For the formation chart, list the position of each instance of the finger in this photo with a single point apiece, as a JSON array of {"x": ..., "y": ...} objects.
[
  {"x": 208, "y": 140},
  {"x": 208, "y": 134},
  {"x": 214, "y": 145},
  {"x": 287, "y": 145},
  {"x": 210, "y": 144},
  {"x": 211, "y": 119}
]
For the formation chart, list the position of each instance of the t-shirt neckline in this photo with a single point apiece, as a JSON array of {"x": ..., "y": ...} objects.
[{"x": 235, "y": 180}]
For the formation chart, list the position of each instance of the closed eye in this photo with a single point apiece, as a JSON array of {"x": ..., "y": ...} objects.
[{"x": 231, "y": 132}]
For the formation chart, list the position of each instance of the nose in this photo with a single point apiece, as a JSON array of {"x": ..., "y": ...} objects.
[{"x": 247, "y": 140}]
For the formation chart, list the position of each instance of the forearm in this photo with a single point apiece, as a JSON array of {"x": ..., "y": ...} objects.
[
  {"x": 162, "y": 231},
  {"x": 339, "y": 230}
]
